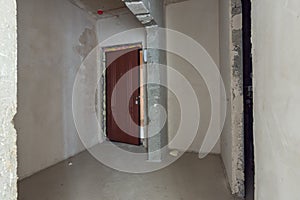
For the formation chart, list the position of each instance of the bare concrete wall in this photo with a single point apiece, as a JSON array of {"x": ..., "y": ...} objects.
[
  {"x": 276, "y": 28},
  {"x": 53, "y": 38},
  {"x": 8, "y": 99},
  {"x": 201, "y": 22}
]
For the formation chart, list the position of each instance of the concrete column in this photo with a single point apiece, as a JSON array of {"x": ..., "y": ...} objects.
[
  {"x": 157, "y": 95},
  {"x": 151, "y": 15}
]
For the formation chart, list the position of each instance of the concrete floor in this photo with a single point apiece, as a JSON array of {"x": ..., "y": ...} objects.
[{"x": 189, "y": 178}]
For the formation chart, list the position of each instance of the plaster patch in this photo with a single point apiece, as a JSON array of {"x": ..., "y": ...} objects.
[
  {"x": 88, "y": 41},
  {"x": 237, "y": 22}
]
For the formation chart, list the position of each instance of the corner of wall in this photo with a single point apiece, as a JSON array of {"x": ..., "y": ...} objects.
[{"x": 8, "y": 100}]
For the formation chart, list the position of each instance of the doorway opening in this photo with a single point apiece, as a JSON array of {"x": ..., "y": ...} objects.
[
  {"x": 47, "y": 143},
  {"x": 124, "y": 91}
]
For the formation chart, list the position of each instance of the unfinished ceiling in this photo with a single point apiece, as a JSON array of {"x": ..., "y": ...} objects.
[{"x": 110, "y": 7}]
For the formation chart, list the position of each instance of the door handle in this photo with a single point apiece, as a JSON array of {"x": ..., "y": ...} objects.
[{"x": 137, "y": 100}]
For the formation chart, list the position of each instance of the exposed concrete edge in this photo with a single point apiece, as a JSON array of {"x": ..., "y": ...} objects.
[
  {"x": 8, "y": 100},
  {"x": 237, "y": 110}
]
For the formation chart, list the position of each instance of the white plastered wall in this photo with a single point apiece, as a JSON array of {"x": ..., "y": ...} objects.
[
  {"x": 275, "y": 35},
  {"x": 53, "y": 38},
  {"x": 52, "y": 45},
  {"x": 200, "y": 21}
]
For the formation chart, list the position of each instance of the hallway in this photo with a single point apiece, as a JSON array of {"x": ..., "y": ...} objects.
[
  {"x": 53, "y": 103},
  {"x": 189, "y": 178}
]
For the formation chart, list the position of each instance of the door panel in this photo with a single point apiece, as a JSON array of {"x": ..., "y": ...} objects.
[{"x": 119, "y": 63}]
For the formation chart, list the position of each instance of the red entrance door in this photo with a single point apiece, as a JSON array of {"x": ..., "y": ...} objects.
[{"x": 119, "y": 63}]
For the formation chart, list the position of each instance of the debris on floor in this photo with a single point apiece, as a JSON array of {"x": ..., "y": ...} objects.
[{"x": 174, "y": 153}]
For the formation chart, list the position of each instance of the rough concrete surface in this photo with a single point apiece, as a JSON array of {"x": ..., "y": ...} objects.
[
  {"x": 232, "y": 74},
  {"x": 237, "y": 110},
  {"x": 8, "y": 100}
]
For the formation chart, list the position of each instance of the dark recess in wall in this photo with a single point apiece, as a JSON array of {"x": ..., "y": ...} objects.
[{"x": 248, "y": 100}]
